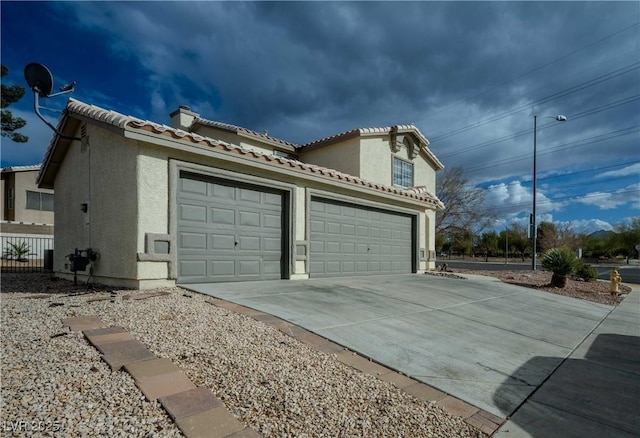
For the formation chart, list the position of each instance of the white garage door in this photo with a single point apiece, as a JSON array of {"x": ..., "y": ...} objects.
[
  {"x": 348, "y": 239},
  {"x": 228, "y": 231}
]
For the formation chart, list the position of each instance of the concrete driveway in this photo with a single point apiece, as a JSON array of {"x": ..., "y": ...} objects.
[{"x": 474, "y": 338}]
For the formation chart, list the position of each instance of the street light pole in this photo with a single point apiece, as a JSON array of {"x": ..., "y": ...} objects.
[
  {"x": 533, "y": 216},
  {"x": 534, "y": 231}
]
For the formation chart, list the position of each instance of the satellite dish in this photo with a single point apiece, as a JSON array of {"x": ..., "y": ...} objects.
[{"x": 39, "y": 79}]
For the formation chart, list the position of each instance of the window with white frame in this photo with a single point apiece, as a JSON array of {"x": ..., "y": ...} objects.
[
  {"x": 402, "y": 173},
  {"x": 39, "y": 201}
]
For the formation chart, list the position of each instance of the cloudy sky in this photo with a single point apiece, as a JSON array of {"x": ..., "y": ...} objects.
[{"x": 470, "y": 75}]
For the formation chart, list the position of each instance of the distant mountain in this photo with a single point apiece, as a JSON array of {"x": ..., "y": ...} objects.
[{"x": 601, "y": 233}]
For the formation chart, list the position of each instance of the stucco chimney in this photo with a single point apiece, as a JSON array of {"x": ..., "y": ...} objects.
[{"x": 182, "y": 118}]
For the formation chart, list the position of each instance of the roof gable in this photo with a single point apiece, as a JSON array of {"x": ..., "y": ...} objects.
[
  {"x": 77, "y": 111},
  {"x": 391, "y": 131}
]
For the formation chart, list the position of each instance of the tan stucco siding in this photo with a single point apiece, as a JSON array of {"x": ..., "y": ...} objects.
[
  {"x": 26, "y": 181},
  {"x": 343, "y": 156},
  {"x": 102, "y": 174},
  {"x": 375, "y": 158},
  {"x": 153, "y": 203}
]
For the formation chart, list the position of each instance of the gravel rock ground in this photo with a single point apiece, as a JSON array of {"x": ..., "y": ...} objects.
[
  {"x": 54, "y": 382},
  {"x": 596, "y": 291}
]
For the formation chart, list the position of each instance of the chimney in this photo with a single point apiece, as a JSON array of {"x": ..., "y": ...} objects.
[{"x": 182, "y": 118}]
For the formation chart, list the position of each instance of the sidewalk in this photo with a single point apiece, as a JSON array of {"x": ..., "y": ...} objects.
[{"x": 595, "y": 392}]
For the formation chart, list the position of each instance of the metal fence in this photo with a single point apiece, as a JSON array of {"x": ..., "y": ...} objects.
[{"x": 26, "y": 253}]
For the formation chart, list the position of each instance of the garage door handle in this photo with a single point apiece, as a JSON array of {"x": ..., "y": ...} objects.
[{"x": 236, "y": 244}]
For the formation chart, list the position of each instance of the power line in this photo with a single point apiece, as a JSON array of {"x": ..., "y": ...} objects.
[
  {"x": 598, "y": 169},
  {"x": 590, "y": 83},
  {"x": 574, "y": 117},
  {"x": 559, "y": 148},
  {"x": 534, "y": 70},
  {"x": 575, "y": 197},
  {"x": 492, "y": 191}
]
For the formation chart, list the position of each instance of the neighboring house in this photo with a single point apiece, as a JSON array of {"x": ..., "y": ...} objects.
[
  {"x": 22, "y": 200},
  {"x": 204, "y": 201},
  {"x": 26, "y": 215}
]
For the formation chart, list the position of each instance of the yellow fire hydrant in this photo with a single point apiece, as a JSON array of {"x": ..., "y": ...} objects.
[{"x": 615, "y": 280}]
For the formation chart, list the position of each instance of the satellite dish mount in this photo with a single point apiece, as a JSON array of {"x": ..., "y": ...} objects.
[{"x": 40, "y": 81}]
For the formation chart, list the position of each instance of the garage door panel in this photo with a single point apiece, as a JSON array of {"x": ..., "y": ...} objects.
[
  {"x": 248, "y": 267},
  {"x": 272, "y": 268},
  {"x": 221, "y": 216},
  {"x": 193, "y": 268},
  {"x": 333, "y": 209},
  {"x": 193, "y": 186},
  {"x": 368, "y": 240},
  {"x": 250, "y": 196},
  {"x": 194, "y": 213},
  {"x": 248, "y": 243},
  {"x": 348, "y": 248},
  {"x": 221, "y": 191},
  {"x": 332, "y": 267},
  {"x": 193, "y": 240},
  {"x": 223, "y": 242},
  {"x": 272, "y": 245},
  {"x": 348, "y": 267},
  {"x": 333, "y": 248},
  {"x": 271, "y": 221},
  {"x": 316, "y": 226},
  {"x": 348, "y": 230},
  {"x": 241, "y": 239},
  {"x": 249, "y": 219}
]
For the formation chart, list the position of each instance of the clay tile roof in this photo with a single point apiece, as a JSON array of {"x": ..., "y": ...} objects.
[
  {"x": 239, "y": 129},
  {"x": 135, "y": 124}
]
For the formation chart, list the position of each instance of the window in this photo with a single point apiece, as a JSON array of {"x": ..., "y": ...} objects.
[
  {"x": 402, "y": 173},
  {"x": 10, "y": 198},
  {"x": 39, "y": 201}
]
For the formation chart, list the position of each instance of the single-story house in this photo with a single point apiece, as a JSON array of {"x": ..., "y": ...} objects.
[{"x": 204, "y": 201}]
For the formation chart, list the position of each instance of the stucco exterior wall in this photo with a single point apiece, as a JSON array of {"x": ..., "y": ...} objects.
[
  {"x": 100, "y": 172},
  {"x": 153, "y": 203},
  {"x": 375, "y": 159},
  {"x": 343, "y": 156}
]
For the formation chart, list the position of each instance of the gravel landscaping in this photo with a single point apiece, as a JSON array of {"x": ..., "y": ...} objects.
[
  {"x": 595, "y": 291},
  {"x": 55, "y": 384}
]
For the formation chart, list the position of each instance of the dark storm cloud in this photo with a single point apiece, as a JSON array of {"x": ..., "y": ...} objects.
[{"x": 305, "y": 70}]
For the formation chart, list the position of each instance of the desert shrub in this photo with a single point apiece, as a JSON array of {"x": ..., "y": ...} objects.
[
  {"x": 586, "y": 271},
  {"x": 562, "y": 262},
  {"x": 17, "y": 251}
]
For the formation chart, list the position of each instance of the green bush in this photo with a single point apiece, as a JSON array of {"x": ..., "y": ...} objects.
[
  {"x": 586, "y": 271},
  {"x": 562, "y": 262}
]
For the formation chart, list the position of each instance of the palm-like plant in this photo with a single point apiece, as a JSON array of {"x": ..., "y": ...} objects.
[
  {"x": 18, "y": 251},
  {"x": 562, "y": 262}
]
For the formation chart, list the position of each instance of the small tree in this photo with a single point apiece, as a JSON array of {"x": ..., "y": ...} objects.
[
  {"x": 518, "y": 239},
  {"x": 10, "y": 124},
  {"x": 562, "y": 262},
  {"x": 464, "y": 204},
  {"x": 488, "y": 244}
]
